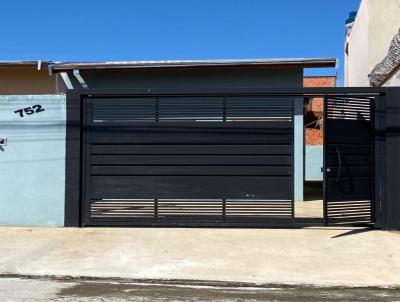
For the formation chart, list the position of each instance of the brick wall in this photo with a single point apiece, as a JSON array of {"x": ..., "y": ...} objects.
[{"x": 314, "y": 111}]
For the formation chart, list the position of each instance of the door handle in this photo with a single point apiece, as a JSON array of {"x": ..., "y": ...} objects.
[{"x": 339, "y": 156}]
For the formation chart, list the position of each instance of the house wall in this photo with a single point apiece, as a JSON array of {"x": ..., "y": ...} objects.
[
  {"x": 33, "y": 161},
  {"x": 357, "y": 54},
  {"x": 207, "y": 79},
  {"x": 376, "y": 24},
  {"x": 26, "y": 80},
  {"x": 191, "y": 78},
  {"x": 384, "y": 23}
]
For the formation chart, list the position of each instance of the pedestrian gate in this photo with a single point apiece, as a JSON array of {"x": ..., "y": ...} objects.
[
  {"x": 188, "y": 160},
  {"x": 349, "y": 160}
]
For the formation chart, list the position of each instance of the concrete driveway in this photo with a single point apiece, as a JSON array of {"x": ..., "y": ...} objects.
[{"x": 317, "y": 256}]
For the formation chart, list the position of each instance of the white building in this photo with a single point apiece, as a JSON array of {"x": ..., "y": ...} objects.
[{"x": 372, "y": 47}]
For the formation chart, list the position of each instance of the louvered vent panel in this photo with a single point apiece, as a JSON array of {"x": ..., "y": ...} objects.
[
  {"x": 349, "y": 212},
  {"x": 217, "y": 210},
  {"x": 120, "y": 110},
  {"x": 349, "y": 108},
  {"x": 191, "y": 109},
  {"x": 253, "y": 109}
]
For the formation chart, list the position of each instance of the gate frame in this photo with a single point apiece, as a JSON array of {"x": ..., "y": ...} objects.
[
  {"x": 373, "y": 161},
  {"x": 387, "y": 139}
]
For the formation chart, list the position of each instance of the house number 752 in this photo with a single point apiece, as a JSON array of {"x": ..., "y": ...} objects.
[{"x": 29, "y": 110}]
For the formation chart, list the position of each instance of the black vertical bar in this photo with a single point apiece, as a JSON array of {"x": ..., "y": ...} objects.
[
  {"x": 72, "y": 215},
  {"x": 292, "y": 212},
  {"x": 223, "y": 208},
  {"x": 325, "y": 158},
  {"x": 156, "y": 209},
  {"x": 392, "y": 207},
  {"x": 372, "y": 129},
  {"x": 380, "y": 171},
  {"x": 224, "y": 109},
  {"x": 87, "y": 104},
  {"x": 157, "y": 110}
]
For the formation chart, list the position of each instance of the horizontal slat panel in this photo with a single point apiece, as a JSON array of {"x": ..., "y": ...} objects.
[
  {"x": 197, "y": 127},
  {"x": 191, "y": 149},
  {"x": 348, "y": 160},
  {"x": 181, "y": 209},
  {"x": 349, "y": 203},
  {"x": 281, "y": 134},
  {"x": 349, "y": 149},
  {"x": 343, "y": 108},
  {"x": 349, "y": 105},
  {"x": 350, "y": 171},
  {"x": 349, "y": 189},
  {"x": 347, "y": 131},
  {"x": 366, "y": 205},
  {"x": 159, "y": 187},
  {"x": 351, "y": 220},
  {"x": 192, "y": 170},
  {"x": 190, "y": 160}
]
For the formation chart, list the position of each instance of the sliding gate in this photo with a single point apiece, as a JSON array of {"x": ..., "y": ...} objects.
[{"x": 188, "y": 161}]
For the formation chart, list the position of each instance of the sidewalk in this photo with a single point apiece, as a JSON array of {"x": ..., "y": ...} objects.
[{"x": 318, "y": 256}]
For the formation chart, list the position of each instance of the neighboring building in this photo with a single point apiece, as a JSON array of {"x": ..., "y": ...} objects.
[
  {"x": 369, "y": 35},
  {"x": 27, "y": 77},
  {"x": 313, "y": 124},
  {"x": 387, "y": 73}
]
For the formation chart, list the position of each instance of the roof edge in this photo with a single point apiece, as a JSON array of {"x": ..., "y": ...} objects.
[
  {"x": 26, "y": 63},
  {"x": 306, "y": 63}
]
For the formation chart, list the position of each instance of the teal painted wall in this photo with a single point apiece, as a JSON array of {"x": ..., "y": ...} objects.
[
  {"x": 32, "y": 163},
  {"x": 299, "y": 150},
  {"x": 314, "y": 162}
]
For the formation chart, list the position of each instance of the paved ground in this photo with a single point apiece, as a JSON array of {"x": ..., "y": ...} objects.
[
  {"x": 44, "y": 290},
  {"x": 318, "y": 256},
  {"x": 309, "y": 209}
]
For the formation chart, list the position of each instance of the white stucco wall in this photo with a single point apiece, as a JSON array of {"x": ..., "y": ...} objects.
[
  {"x": 376, "y": 24},
  {"x": 356, "y": 69},
  {"x": 394, "y": 80},
  {"x": 384, "y": 23}
]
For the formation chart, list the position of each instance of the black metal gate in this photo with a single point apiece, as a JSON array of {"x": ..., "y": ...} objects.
[
  {"x": 188, "y": 160},
  {"x": 349, "y": 160}
]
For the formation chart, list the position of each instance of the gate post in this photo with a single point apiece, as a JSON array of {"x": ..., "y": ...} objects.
[
  {"x": 73, "y": 161},
  {"x": 391, "y": 208}
]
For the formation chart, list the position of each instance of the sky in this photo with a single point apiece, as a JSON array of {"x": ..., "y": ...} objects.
[{"x": 122, "y": 30}]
